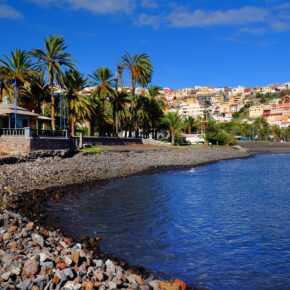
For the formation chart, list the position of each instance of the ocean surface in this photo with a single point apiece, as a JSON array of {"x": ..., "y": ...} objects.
[{"x": 221, "y": 226}]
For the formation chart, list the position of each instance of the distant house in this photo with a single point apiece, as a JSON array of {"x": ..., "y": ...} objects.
[{"x": 25, "y": 118}]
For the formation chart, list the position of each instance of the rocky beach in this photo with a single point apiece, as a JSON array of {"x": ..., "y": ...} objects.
[{"x": 33, "y": 255}]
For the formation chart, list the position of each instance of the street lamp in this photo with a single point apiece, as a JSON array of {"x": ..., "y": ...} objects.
[
  {"x": 15, "y": 101},
  {"x": 60, "y": 109},
  {"x": 116, "y": 88}
]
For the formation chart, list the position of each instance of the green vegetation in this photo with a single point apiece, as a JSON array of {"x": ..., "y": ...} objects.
[{"x": 95, "y": 148}]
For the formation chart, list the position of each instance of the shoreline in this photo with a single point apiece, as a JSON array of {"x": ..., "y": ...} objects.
[{"x": 31, "y": 203}]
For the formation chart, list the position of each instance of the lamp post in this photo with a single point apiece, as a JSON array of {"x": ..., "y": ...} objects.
[
  {"x": 60, "y": 110},
  {"x": 116, "y": 88},
  {"x": 15, "y": 101},
  {"x": 63, "y": 112}
]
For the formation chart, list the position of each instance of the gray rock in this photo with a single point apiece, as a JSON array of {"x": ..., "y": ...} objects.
[
  {"x": 68, "y": 273},
  {"x": 110, "y": 267},
  {"x": 25, "y": 284},
  {"x": 69, "y": 285},
  {"x": 38, "y": 239},
  {"x": 99, "y": 263},
  {"x": 31, "y": 267},
  {"x": 6, "y": 276}
]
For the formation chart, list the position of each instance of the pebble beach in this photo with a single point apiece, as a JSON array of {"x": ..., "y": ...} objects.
[{"x": 33, "y": 255}]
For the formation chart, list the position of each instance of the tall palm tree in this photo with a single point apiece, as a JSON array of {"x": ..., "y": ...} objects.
[
  {"x": 103, "y": 79},
  {"x": 80, "y": 107},
  {"x": 35, "y": 93},
  {"x": 120, "y": 68},
  {"x": 140, "y": 69},
  {"x": 19, "y": 69},
  {"x": 118, "y": 100},
  {"x": 173, "y": 121},
  {"x": 52, "y": 60}
]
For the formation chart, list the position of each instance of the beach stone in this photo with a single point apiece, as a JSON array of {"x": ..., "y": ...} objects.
[
  {"x": 16, "y": 271},
  {"x": 6, "y": 276},
  {"x": 13, "y": 229},
  {"x": 7, "y": 237},
  {"x": 30, "y": 225},
  {"x": 68, "y": 273},
  {"x": 138, "y": 279},
  {"x": 99, "y": 263},
  {"x": 75, "y": 257},
  {"x": 31, "y": 267},
  {"x": 180, "y": 283},
  {"x": 38, "y": 239},
  {"x": 25, "y": 284},
  {"x": 34, "y": 287},
  {"x": 111, "y": 285},
  {"x": 69, "y": 285},
  {"x": 67, "y": 260},
  {"x": 90, "y": 285},
  {"x": 110, "y": 267}
]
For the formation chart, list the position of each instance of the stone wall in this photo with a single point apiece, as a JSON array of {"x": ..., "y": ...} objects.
[
  {"x": 109, "y": 140},
  {"x": 14, "y": 144},
  {"x": 22, "y": 144}
]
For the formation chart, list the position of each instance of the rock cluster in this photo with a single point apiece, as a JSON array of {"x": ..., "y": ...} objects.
[{"x": 32, "y": 257}]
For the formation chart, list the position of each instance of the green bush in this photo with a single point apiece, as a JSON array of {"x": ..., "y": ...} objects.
[{"x": 221, "y": 139}]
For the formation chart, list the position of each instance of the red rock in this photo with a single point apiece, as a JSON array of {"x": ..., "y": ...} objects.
[
  {"x": 180, "y": 283},
  {"x": 31, "y": 224},
  {"x": 55, "y": 279},
  {"x": 61, "y": 266},
  {"x": 90, "y": 285}
]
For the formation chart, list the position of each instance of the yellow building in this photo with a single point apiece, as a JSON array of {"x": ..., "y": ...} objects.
[{"x": 256, "y": 111}]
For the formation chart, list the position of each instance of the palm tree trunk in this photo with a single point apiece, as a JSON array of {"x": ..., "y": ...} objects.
[
  {"x": 52, "y": 105},
  {"x": 172, "y": 136},
  {"x": 72, "y": 124},
  {"x": 121, "y": 80}
]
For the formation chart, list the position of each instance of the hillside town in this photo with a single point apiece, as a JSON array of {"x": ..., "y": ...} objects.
[{"x": 272, "y": 103}]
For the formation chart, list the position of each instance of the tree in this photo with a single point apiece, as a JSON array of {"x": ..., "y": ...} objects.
[
  {"x": 153, "y": 115},
  {"x": 120, "y": 68},
  {"x": 79, "y": 107},
  {"x": 140, "y": 69},
  {"x": 52, "y": 60},
  {"x": 35, "y": 93},
  {"x": 18, "y": 69},
  {"x": 154, "y": 91},
  {"x": 173, "y": 121},
  {"x": 189, "y": 123},
  {"x": 102, "y": 78},
  {"x": 118, "y": 100}
]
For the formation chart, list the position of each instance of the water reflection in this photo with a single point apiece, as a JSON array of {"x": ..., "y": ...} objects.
[{"x": 225, "y": 225}]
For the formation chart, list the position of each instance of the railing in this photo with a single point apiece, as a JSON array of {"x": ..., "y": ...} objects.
[
  {"x": 49, "y": 133},
  {"x": 33, "y": 133},
  {"x": 12, "y": 132}
]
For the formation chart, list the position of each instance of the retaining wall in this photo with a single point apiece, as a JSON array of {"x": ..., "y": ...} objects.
[{"x": 22, "y": 144}]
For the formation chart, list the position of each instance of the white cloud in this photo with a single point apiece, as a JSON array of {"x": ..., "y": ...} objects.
[
  {"x": 9, "y": 12},
  {"x": 94, "y": 6},
  {"x": 151, "y": 4},
  {"x": 148, "y": 20},
  {"x": 255, "y": 31},
  {"x": 203, "y": 18}
]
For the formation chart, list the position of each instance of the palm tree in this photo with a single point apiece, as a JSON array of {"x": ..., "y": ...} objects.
[
  {"x": 140, "y": 69},
  {"x": 51, "y": 61},
  {"x": 103, "y": 79},
  {"x": 173, "y": 121},
  {"x": 35, "y": 93},
  {"x": 118, "y": 100},
  {"x": 80, "y": 107},
  {"x": 189, "y": 123},
  {"x": 19, "y": 69},
  {"x": 120, "y": 68},
  {"x": 154, "y": 91}
]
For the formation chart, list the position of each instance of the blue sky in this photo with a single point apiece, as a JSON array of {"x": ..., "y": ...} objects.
[{"x": 198, "y": 42}]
